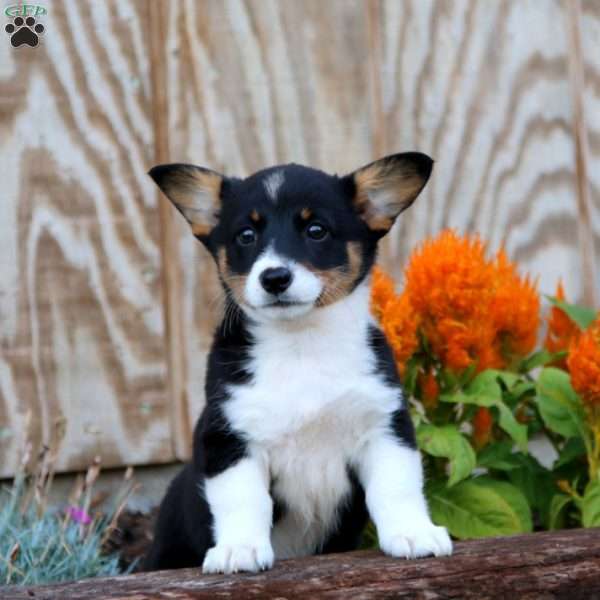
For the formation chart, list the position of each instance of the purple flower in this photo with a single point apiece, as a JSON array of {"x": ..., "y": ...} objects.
[{"x": 79, "y": 515}]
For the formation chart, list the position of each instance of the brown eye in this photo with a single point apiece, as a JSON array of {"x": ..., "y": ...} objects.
[
  {"x": 316, "y": 231},
  {"x": 246, "y": 236}
]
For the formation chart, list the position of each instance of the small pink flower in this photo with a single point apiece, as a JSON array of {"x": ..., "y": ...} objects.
[{"x": 79, "y": 515}]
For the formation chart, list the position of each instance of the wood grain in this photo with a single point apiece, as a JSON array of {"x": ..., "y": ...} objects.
[
  {"x": 107, "y": 303},
  {"x": 590, "y": 34},
  {"x": 484, "y": 88},
  {"x": 552, "y": 565},
  {"x": 252, "y": 84},
  {"x": 81, "y": 324}
]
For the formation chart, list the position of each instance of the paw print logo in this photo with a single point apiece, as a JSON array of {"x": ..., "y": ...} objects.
[{"x": 24, "y": 31}]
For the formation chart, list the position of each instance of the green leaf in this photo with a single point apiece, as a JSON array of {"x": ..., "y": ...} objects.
[
  {"x": 591, "y": 505},
  {"x": 557, "y": 505},
  {"x": 488, "y": 398},
  {"x": 369, "y": 540},
  {"x": 573, "y": 449},
  {"x": 559, "y": 405},
  {"x": 522, "y": 388},
  {"x": 499, "y": 456},
  {"x": 541, "y": 358},
  {"x": 582, "y": 316},
  {"x": 517, "y": 431},
  {"x": 535, "y": 482},
  {"x": 410, "y": 377},
  {"x": 485, "y": 384},
  {"x": 480, "y": 507},
  {"x": 488, "y": 382},
  {"x": 447, "y": 442}
]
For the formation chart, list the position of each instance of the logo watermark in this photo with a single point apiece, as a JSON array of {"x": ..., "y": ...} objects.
[{"x": 24, "y": 29}]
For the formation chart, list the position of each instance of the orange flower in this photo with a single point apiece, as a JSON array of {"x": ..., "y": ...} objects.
[
  {"x": 448, "y": 283},
  {"x": 473, "y": 310},
  {"x": 400, "y": 324},
  {"x": 562, "y": 332},
  {"x": 470, "y": 309},
  {"x": 515, "y": 310},
  {"x": 584, "y": 366},
  {"x": 482, "y": 427},
  {"x": 430, "y": 390},
  {"x": 382, "y": 291}
]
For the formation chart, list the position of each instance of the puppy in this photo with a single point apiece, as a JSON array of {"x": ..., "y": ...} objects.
[{"x": 305, "y": 432}]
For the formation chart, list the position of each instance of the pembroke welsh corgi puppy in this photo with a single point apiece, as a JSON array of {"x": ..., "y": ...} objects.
[{"x": 305, "y": 432}]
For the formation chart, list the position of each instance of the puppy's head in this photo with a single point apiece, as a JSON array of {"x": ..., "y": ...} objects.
[{"x": 291, "y": 239}]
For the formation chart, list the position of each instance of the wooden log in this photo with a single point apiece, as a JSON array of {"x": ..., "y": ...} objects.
[{"x": 563, "y": 564}]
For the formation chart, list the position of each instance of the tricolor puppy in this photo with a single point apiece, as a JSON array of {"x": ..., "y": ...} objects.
[{"x": 305, "y": 431}]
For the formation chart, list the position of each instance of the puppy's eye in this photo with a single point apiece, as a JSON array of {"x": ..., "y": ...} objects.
[
  {"x": 316, "y": 231},
  {"x": 246, "y": 236}
]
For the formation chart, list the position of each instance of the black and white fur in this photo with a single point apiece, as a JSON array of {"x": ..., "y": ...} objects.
[{"x": 305, "y": 432}]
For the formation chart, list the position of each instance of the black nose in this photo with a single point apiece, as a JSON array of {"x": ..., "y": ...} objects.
[{"x": 276, "y": 280}]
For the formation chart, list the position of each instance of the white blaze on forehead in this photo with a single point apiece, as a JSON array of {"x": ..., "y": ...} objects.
[{"x": 272, "y": 184}]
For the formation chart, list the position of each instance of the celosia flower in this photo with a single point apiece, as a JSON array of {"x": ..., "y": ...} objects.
[
  {"x": 482, "y": 427},
  {"x": 584, "y": 366},
  {"x": 473, "y": 310},
  {"x": 430, "y": 390},
  {"x": 448, "y": 283},
  {"x": 400, "y": 324},
  {"x": 382, "y": 291},
  {"x": 515, "y": 310},
  {"x": 470, "y": 309},
  {"x": 562, "y": 331}
]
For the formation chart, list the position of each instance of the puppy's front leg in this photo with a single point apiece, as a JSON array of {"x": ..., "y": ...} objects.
[
  {"x": 392, "y": 477},
  {"x": 242, "y": 512}
]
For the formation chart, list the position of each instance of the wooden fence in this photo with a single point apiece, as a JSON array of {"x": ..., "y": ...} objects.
[{"x": 106, "y": 301}]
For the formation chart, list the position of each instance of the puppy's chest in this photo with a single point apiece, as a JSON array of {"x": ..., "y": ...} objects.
[
  {"x": 308, "y": 411},
  {"x": 310, "y": 394}
]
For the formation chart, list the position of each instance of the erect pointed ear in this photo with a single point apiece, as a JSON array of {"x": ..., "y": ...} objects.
[
  {"x": 194, "y": 191},
  {"x": 386, "y": 187}
]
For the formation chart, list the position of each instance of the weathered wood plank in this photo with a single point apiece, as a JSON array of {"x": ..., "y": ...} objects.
[
  {"x": 484, "y": 88},
  {"x": 81, "y": 324},
  {"x": 251, "y": 84},
  {"x": 545, "y": 565}
]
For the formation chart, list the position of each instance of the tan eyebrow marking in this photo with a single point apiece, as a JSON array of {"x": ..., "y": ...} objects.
[
  {"x": 305, "y": 214},
  {"x": 254, "y": 216}
]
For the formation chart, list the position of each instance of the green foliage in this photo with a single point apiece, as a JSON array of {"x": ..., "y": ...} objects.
[
  {"x": 447, "y": 442},
  {"x": 39, "y": 545},
  {"x": 481, "y": 478},
  {"x": 559, "y": 405},
  {"x": 591, "y": 505},
  {"x": 480, "y": 507}
]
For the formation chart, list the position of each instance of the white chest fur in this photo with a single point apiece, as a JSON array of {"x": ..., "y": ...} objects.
[{"x": 314, "y": 402}]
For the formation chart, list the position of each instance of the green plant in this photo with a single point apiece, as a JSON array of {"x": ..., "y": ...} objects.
[
  {"x": 39, "y": 544},
  {"x": 464, "y": 332}
]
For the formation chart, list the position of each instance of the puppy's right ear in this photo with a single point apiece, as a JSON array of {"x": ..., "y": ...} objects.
[{"x": 195, "y": 192}]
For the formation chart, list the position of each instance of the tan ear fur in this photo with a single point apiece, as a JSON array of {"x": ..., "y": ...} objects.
[
  {"x": 388, "y": 186},
  {"x": 194, "y": 191}
]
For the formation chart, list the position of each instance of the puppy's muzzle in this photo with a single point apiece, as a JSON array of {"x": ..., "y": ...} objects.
[{"x": 276, "y": 280}]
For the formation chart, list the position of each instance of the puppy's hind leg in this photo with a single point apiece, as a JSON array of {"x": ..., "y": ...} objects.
[{"x": 170, "y": 548}]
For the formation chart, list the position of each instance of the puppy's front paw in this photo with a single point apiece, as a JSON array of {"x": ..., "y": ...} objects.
[
  {"x": 418, "y": 541},
  {"x": 231, "y": 559}
]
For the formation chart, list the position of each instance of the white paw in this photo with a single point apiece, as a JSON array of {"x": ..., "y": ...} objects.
[
  {"x": 231, "y": 559},
  {"x": 416, "y": 542}
]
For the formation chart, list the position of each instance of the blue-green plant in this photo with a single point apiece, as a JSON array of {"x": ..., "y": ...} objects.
[{"x": 42, "y": 544}]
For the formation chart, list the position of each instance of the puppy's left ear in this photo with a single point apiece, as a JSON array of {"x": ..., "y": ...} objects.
[{"x": 388, "y": 186}]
